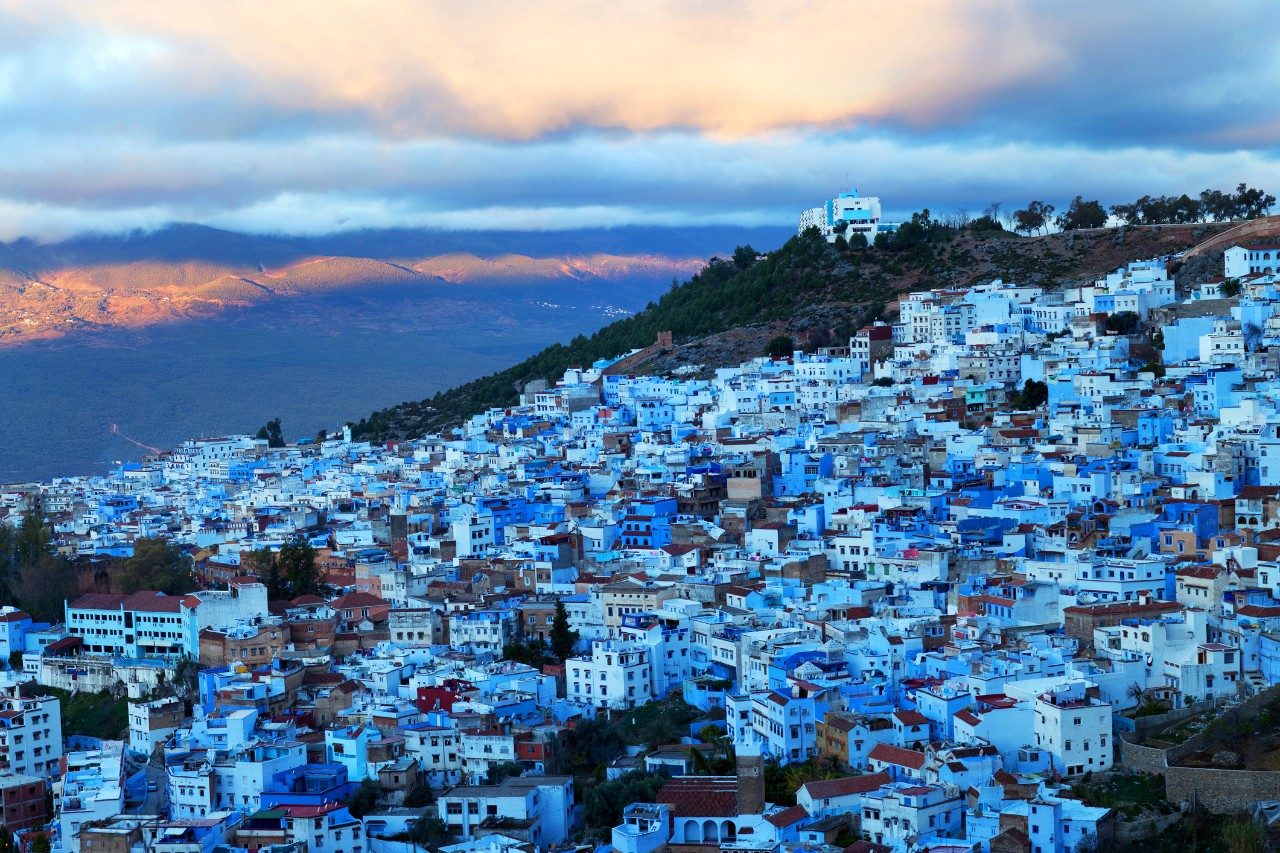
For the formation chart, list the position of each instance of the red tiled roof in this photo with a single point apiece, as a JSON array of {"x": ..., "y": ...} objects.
[
  {"x": 97, "y": 601},
  {"x": 1257, "y": 610},
  {"x": 701, "y": 796},
  {"x": 897, "y": 755},
  {"x": 1255, "y": 492},
  {"x": 827, "y": 788},
  {"x": 911, "y": 718},
  {"x": 1207, "y": 573},
  {"x": 786, "y": 817},
  {"x": 296, "y": 811},
  {"x": 359, "y": 599}
]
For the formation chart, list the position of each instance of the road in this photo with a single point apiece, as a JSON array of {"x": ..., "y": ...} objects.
[{"x": 155, "y": 800}]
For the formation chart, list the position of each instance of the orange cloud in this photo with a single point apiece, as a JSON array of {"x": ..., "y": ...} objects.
[{"x": 515, "y": 70}]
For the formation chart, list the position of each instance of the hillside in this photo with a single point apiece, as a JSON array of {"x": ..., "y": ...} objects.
[{"x": 806, "y": 289}]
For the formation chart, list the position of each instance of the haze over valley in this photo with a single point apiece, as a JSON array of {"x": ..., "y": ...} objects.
[{"x": 190, "y": 331}]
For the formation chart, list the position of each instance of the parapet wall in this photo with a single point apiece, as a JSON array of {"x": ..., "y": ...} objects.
[
  {"x": 622, "y": 365},
  {"x": 1267, "y": 226}
]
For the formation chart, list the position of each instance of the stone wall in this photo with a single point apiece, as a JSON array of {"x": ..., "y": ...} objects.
[
  {"x": 1145, "y": 759},
  {"x": 661, "y": 345},
  {"x": 1217, "y": 789},
  {"x": 1221, "y": 790},
  {"x": 1130, "y": 831},
  {"x": 1267, "y": 226},
  {"x": 1144, "y": 726}
]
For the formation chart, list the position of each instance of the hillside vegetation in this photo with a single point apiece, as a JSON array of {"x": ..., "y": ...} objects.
[{"x": 807, "y": 284}]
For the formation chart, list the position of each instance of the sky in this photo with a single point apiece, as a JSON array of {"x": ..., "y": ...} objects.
[{"x": 306, "y": 117}]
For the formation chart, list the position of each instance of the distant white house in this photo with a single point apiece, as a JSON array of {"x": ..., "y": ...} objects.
[{"x": 848, "y": 214}]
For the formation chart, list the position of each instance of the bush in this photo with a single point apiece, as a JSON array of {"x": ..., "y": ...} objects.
[
  {"x": 1122, "y": 322},
  {"x": 603, "y": 805},
  {"x": 781, "y": 347}
]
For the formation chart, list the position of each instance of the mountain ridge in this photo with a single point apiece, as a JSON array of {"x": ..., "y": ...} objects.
[{"x": 48, "y": 304}]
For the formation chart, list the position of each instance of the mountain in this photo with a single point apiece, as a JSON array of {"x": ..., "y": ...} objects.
[
  {"x": 192, "y": 272},
  {"x": 808, "y": 290}
]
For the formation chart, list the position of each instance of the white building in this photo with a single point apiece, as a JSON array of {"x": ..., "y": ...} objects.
[
  {"x": 905, "y": 811},
  {"x": 438, "y": 751},
  {"x": 780, "y": 725},
  {"x": 1074, "y": 728},
  {"x": 617, "y": 675},
  {"x": 145, "y": 624},
  {"x": 1240, "y": 261},
  {"x": 546, "y": 802},
  {"x": 151, "y": 723},
  {"x": 482, "y": 632},
  {"x": 92, "y": 789},
  {"x": 848, "y": 214},
  {"x": 30, "y": 735}
]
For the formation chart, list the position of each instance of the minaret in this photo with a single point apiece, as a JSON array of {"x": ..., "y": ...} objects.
[{"x": 750, "y": 780}]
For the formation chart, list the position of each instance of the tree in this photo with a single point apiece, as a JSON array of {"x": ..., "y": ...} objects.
[
  {"x": 781, "y": 346},
  {"x": 744, "y": 257},
  {"x": 40, "y": 844},
  {"x": 502, "y": 771},
  {"x": 1033, "y": 395},
  {"x": 1122, "y": 322},
  {"x": 781, "y": 782},
  {"x": 32, "y": 574},
  {"x": 1083, "y": 214},
  {"x": 261, "y": 562},
  {"x": 958, "y": 219},
  {"x": 420, "y": 794},
  {"x": 321, "y": 437},
  {"x": 1035, "y": 216},
  {"x": 1252, "y": 334},
  {"x": 1216, "y": 204},
  {"x": 603, "y": 805},
  {"x": 986, "y": 223},
  {"x": 429, "y": 832},
  {"x": 296, "y": 565},
  {"x": 1251, "y": 203},
  {"x": 156, "y": 564},
  {"x": 272, "y": 432},
  {"x": 1231, "y": 288},
  {"x": 365, "y": 798},
  {"x": 532, "y": 651},
  {"x": 858, "y": 241},
  {"x": 586, "y": 747},
  {"x": 563, "y": 638},
  {"x": 45, "y": 586}
]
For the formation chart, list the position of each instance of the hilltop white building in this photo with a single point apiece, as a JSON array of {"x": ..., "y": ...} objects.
[{"x": 847, "y": 213}]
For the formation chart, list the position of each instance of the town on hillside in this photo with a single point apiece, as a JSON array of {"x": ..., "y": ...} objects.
[{"x": 1002, "y": 574}]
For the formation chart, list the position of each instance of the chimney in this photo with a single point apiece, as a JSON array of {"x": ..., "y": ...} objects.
[{"x": 750, "y": 780}]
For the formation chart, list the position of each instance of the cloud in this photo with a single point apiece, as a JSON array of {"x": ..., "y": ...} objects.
[
  {"x": 319, "y": 184},
  {"x": 554, "y": 113}
]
